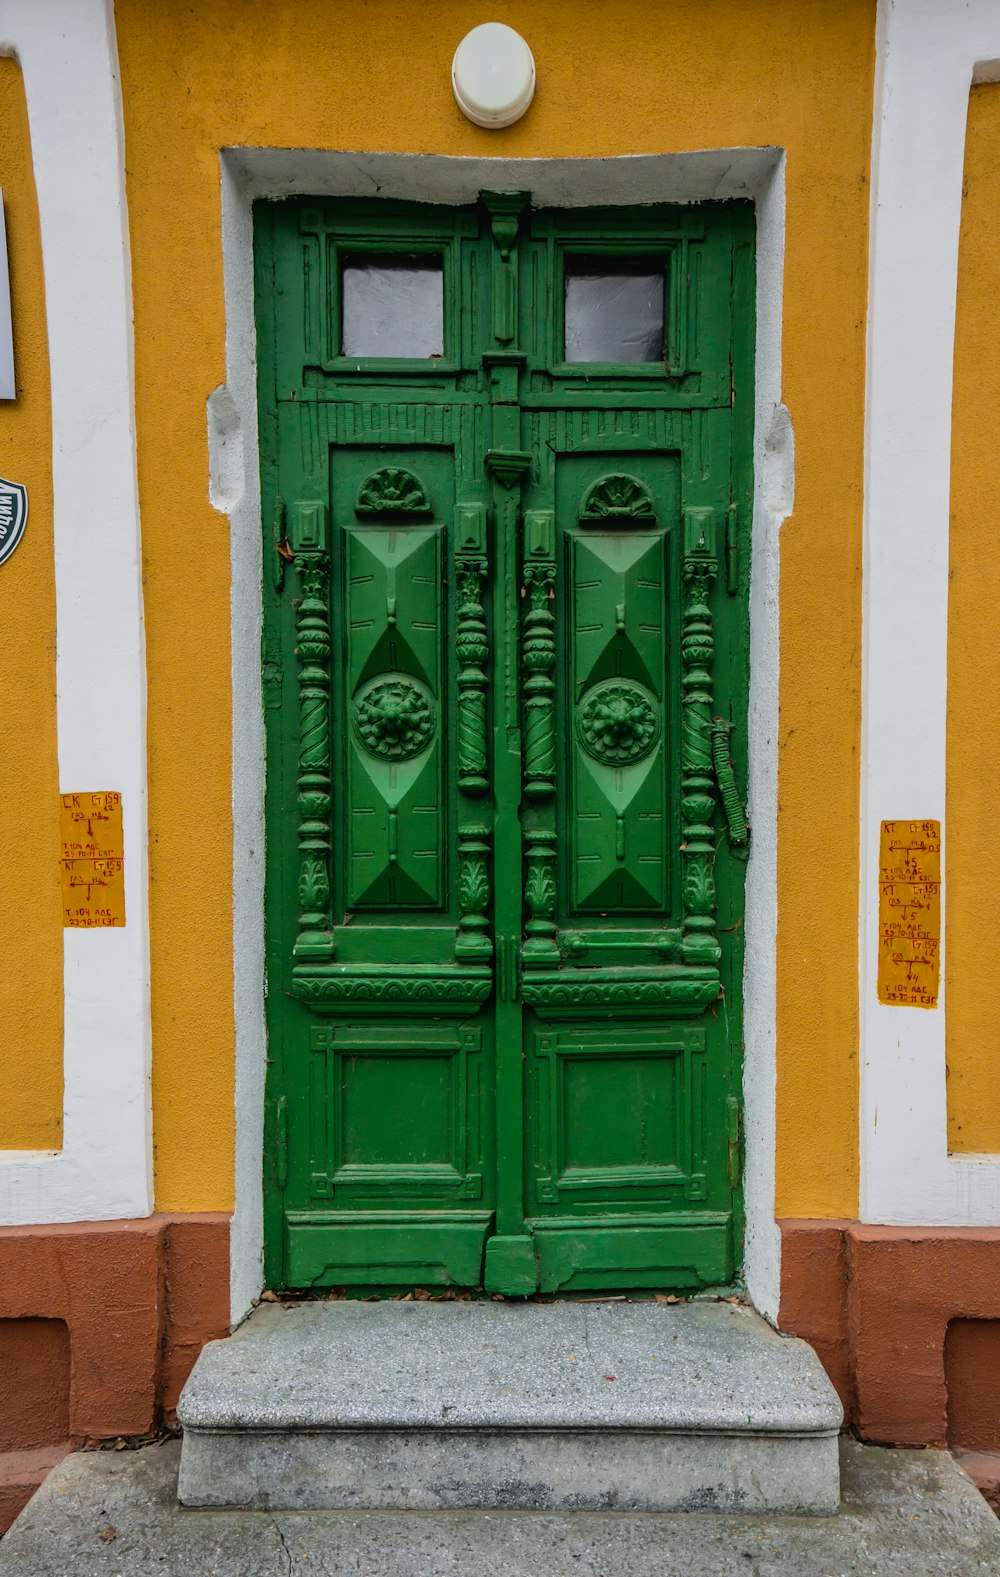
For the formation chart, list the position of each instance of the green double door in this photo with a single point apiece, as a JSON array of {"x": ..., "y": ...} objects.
[{"x": 506, "y": 491}]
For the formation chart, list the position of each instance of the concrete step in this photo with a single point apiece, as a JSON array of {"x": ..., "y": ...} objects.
[
  {"x": 115, "y": 1514},
  {"x": 560, "y": 1406}
]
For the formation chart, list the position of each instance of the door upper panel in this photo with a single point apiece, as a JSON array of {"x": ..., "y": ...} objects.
[
  {"x": 615, "y": 700},
  {"x": 637, "y": 300},
  {"x": 392, "y": 684}
]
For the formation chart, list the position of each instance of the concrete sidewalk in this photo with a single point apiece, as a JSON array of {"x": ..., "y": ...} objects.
[{"x": 104, "y": 1514}]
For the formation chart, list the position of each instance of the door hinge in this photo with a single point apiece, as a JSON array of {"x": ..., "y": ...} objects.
[
  {"x": 281, "y": 1141},
  {"x": 272, "y": 675},
  {"x": 733, "y": 549},
  {"x": 282, "y": 551},
  {"x": 734, "y": 1120}
]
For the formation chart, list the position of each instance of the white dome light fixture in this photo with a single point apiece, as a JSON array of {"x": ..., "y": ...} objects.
[{"x": 493, "y": 75}]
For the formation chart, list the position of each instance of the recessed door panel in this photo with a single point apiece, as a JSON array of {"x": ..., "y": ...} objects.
[
  {"x": 620, "y": 1115},
  {"x": 616, "y": 683},
  {"x": 397, "y": 1112},
  {"x": 394, "y": 698}
]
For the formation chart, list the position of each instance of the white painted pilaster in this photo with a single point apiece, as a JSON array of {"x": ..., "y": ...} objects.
[
  {"x": 929, "y": 53},
  {"x": 69, "y": 60}
]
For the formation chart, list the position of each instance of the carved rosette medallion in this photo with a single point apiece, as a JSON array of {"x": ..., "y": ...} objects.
[
  {"x": 393, "y": 718},
  {"x": 618, "y": 722}
]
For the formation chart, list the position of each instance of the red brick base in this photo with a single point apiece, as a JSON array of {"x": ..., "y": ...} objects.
[
  {"x": 907, "y": 1323},
  {"x": 21, "y": 1472},
  {"x": 100, "y": 1325}
]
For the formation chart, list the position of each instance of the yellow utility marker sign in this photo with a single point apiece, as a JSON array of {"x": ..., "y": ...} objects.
[
  {"x": 93, "y": 864},
  {"x": 909, "y": 914}
]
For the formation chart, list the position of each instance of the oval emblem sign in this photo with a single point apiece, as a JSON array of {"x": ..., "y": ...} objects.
[{"x": 13, "y": 516}]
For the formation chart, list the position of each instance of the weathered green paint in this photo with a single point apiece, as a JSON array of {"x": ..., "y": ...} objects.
[{"x": 505, "y": 684}]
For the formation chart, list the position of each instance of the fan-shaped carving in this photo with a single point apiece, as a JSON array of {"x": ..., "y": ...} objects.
[
  {"x": 617, "y": 497},
  {"x": 393, "y": 493}
]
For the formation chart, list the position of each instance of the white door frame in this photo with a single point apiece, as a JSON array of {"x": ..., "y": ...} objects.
[{"x": 250, "y": 173}]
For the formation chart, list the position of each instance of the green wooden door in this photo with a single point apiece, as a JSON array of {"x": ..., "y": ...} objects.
[{"x": 506, "y": 490}]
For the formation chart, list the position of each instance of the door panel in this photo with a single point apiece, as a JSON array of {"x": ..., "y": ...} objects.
[
  {"x": 504, "y": 648},
  {"x": 396, "y": 1109},
  {"x": 396, "y": 1127},
  {"x": 626, "y": 1120},
  {"x": 614, "y": 688},
  {"x": 395, "y": 852},
  {"x": 379, "y": 1248},
  {"x": 653, "y": 1078}
]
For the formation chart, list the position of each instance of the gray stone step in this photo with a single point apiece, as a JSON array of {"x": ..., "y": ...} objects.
[
  {"x": 115, "y": 1514},
  {"x": 561, "y": 1406}
]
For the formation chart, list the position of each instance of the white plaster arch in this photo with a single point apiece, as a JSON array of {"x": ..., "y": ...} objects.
[
  {"x": 757, "y": 173},
  {"x": 104, "y": 1169},
  {"x": 929, "y": 52}
]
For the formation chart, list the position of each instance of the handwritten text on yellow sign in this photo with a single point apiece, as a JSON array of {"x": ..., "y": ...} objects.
[
  {"x": 909, "y": 914},
  {"x": 93, "y": 865}
]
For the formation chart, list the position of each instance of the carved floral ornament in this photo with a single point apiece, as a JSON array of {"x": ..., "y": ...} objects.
[
  {"x": 618, "y": 722},
  {"x": 393, "y": 718}
]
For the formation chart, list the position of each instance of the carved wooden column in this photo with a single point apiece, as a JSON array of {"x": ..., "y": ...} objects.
[
  {"x": 310, "y": 545},
  {"x": 472, "y": 939},
  {"x": 700, "y": 567},
  {"x": 540, "y": 949},
  {"x": 505, "y": 209},
  {"x": 472, "y": 647},
  {"x": 510, "y": 1265},
  {"x": 472, "y": 944},
  {"x": 539, "y": 654}
]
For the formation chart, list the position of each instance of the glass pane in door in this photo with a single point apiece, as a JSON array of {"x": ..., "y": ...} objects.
[
  {"x": 392, "y": 306},
  {"x": 614, "y": 311}
]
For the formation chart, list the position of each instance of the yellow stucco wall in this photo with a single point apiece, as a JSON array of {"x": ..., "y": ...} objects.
[
  {"x": 30, "y": 897},
  {"x": 972, "y": 891},
  {"x": 656, "y": 76}
]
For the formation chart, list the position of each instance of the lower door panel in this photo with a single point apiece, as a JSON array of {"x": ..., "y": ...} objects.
[
  {"x": 442, "y": 1248},
  {"x": 684, "y": 1251}
]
